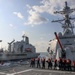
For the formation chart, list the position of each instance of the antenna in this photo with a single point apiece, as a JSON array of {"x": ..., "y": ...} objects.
[
  {"x": 23, "y": 37},
  {"x": 66, "y": 3}
]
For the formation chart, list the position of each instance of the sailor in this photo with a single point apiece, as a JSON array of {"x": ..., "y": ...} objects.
[
  {"x": 55, "y": 63},
  {"x": 68, "y": 64},
  {"x": 38, "y": 62},
  {"x": 2, "y": 62},
  {"x": 63, "y": 64},
  {"x": 43, "y": 63},
  {"x": 73, "y": 65},
  {"x": 49, "y": 63},
  {"x": 21, "y": 61},
  {"x": 31, "y": 62},
  {"x": 60, "y": 63}
]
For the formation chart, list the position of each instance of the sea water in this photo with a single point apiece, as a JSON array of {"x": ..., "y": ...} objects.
[{"x": 43, "y": 54}]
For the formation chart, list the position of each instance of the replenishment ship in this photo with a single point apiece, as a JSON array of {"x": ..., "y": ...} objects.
[{"x": 19, "y": 50}]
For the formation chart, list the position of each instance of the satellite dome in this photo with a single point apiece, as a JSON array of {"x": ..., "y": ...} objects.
[{"x": 59, "y": 34}]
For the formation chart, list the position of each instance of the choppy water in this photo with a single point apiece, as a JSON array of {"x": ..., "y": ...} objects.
[{"x": 14, "y": 63}]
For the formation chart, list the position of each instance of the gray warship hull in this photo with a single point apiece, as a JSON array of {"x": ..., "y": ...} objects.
[{"x": 18, "y": 56}]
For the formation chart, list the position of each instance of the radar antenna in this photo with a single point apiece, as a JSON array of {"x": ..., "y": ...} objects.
[
  {"x": 66, "y": 4},
  {"x": 66, "y": 21}
]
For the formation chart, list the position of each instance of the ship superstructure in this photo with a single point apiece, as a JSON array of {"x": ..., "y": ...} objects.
[
  {"x": 22, "y": 46},
  {"x": 64, "y": 44}
]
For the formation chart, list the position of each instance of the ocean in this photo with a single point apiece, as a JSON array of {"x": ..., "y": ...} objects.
[{"x": 43, "y": 54}]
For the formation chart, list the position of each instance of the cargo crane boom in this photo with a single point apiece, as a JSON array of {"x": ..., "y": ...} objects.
[
  {"x": 63, "y": 53},
  {"x": 10, "y": 45}
]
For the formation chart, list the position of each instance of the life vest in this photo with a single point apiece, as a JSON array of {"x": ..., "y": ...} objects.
[
  {"x": 55, "y": 60},
  {"x": 33, "y": 59},
  {"x": 64, "y": 60},
  {"x": 59, "y": 59},
  {"x": 43, "y": 59},
  {"x": 68, "y": 60},
  {"x": 38, "y": 59},
  {"x": 49, "y": 60},
  {"x": 2, "y": 62},
  {"x": 73, "y": 63}
]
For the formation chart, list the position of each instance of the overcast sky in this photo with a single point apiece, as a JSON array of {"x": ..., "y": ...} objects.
[{"x": 32, "y": 18}]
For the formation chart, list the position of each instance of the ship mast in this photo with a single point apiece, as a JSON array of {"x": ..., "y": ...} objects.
[
  {"x": 66, "y": 21},
  {"x": 23, "y": 37}
]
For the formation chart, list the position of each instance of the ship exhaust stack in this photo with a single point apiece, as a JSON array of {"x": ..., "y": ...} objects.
[
  {"x": 66, "y": 4},
  {"x": 27, "y": 40},
  {"x": 23, "y": 37},
  {"x": 63, "y": 54}
]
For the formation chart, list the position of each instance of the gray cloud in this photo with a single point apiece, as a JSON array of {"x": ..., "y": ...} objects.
[
  {"x": 35, "y": 18},
  {"x": 49, "y": 6}
]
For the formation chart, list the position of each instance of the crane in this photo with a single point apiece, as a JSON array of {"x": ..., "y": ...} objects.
[{"x": 10, "y": 45}]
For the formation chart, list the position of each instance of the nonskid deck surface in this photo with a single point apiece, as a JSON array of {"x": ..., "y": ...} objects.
[
  {"x": 35, "y": 72},
  {"x": 25, "y": 69}
]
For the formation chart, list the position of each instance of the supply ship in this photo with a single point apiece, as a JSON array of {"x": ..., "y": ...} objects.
[
  {"x": 63, "y": 45},
  {"x": 19, "y": 50}
]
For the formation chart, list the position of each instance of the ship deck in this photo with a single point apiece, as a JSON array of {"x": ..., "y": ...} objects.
[{"x": 25, "y": 69}]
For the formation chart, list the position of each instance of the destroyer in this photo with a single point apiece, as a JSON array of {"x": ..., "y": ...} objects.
[
  {"x": 19, "y": 50},
  {"x": 64, "y": 44}
]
